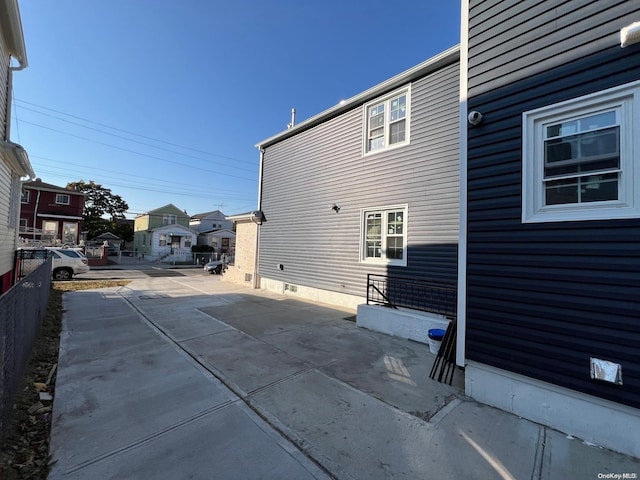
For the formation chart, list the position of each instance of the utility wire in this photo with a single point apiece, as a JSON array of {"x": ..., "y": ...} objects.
[
  {"x": 128, "y": 175},
  {"x": 217, "y": 172},
  {"x": 190, "y": 193},
  {"x": 143, "y": 143},
  {"x": 130, "y": 133}
]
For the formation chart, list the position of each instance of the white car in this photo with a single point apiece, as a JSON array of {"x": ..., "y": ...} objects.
[{"x": 65, "y": 262}]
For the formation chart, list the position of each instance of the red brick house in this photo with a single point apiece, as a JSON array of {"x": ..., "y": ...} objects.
[{"x": 50, "y": 214}]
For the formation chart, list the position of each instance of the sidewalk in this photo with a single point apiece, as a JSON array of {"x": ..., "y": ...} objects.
[{"x": 193, "y": 377}]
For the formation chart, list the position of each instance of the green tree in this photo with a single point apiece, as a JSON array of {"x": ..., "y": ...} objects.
[{"x": 101, "y": 207}]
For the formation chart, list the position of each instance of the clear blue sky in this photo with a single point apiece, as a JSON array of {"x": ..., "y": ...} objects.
[{"x": 163, "y": 101}]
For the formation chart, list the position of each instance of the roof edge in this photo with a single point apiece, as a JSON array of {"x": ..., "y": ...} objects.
[
  {"x": 428, "y": 66},
  {"x": 18, "y": 158},
  {"x": 15, "y": 36}
]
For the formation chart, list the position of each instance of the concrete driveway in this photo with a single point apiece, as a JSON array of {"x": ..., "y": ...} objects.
[{"x": 188, "y": 376}]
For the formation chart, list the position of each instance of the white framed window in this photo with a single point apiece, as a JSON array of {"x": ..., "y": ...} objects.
[
  {"x": 386, "y": 122},
  {"x": 169, "y": 219},
  {"x": 384, "y": 235},
  {"x": 70, "y": 232},
  {"x": 23, "y": 225},
  {"x": 50, "y": 229},
  {"x": 163, "y": 240},
  {"x": 63, "y": 199},
  {"x": 579, "y": 155},
  {"x": 24, "y": 198},
  {"x": 187, "y": 242}
]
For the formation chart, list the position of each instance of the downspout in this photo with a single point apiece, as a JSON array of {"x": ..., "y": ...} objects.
[
  {"x": 462, "y": 232},
  {"x": 35, "y": 214},
  {"x": 256, "y": 271}
]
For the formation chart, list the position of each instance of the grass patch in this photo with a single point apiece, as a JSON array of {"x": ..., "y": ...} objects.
[{"x": 25, "y": 453}]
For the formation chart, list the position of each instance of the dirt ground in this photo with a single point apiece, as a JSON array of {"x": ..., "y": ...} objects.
[{"x": 25, "y": 453}]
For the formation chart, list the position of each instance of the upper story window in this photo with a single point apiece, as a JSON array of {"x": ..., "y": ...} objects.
[
  {"x": 578, "y": 158},
  {"x": 63, "y": 199},
  {"x": 387, "y": 122},
  {"x": 24, "y": 197},
  {"x": 384, "y": 235},
  {"x": 169, "y": 219}
]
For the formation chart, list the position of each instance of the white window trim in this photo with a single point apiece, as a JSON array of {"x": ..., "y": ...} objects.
[
  {"x": 626, "y": 97},
  {"x": 25, "y": 196},
  {"x": 365, "y": 133},
  {"x": 169, "y": 219},
  {"x": 363, "y": 234},
  {"x": 61, "y": 195}
]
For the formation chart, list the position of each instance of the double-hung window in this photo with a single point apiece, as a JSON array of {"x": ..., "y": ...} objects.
[
  {"x": 387, "y": 122},
  {"x": 579, "y": 156},
  {"x": 63, "y": 199},
  {"x": 384, "y": 235},
  {"x": 169, "y": 219}
]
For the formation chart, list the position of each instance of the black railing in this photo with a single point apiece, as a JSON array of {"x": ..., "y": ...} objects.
[
  {"x": 22, "y": 309},
  {"x": 413, "y": 293}
]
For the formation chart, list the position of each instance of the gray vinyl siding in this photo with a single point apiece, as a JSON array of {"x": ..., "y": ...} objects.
[
  {"x": 512, "y": 40},
  {"x": 544, "y": 298},
  {"x": 303, "y": 175}
]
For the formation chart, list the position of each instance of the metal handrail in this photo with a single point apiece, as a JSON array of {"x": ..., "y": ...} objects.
[{"x": 413, "y": 293}]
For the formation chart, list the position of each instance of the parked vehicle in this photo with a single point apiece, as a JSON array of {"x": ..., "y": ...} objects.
[
  {"x": 68, "y": 262},
  {"x": 65, "y": 262},
  {"x": 215, "y": 266}
]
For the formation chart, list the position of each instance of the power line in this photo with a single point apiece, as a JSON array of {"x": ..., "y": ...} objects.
[
  {"x": 135, "y": 187},
  {"x": 141, "y": 143},
  {"x": 92, "y": 168},
  {"x": 128, "y": 132},
  {"x": 137, "y": 153}
]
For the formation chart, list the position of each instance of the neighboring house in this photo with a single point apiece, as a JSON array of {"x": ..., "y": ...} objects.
[
  {"x": 114, "y": 242},
  {"x": 223, "y": 241},
  {"x": 14, "y": 162},
  {"x": 208, "y": 221},
  {"x": 51, "y": 214},
  {"x": 242, "y": 270},
  {"x": 214, "y": 230},
  {"x": 164, "y": 234},
  {"x": 370, "y": 186},
  {"x": 549, "y": 291}
]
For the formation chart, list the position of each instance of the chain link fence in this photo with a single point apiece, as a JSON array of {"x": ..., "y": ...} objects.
[{"x": 22, "y": 309}]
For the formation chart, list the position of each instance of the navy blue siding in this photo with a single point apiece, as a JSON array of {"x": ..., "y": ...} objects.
[{"x": 543, "y": 298}]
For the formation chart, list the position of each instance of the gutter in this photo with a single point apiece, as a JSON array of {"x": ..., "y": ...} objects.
[
  {"x": 12, "y": 24},
  {"x": 256, "y": 283},
  {"x": 17, "y": 158}
]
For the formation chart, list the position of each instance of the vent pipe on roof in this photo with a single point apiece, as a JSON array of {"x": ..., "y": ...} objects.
[{"x": 293, "y": 118}]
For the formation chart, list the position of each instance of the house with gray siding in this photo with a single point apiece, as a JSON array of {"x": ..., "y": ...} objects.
[
  {"x": 370, "y": 186},
  {"x": 549, "y": 283}
]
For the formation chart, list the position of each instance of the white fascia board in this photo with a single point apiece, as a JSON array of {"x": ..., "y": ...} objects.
[
  {"x": 14, "y": 36},
  {"x": 17, "y": 158},
  {"x": 64, "y": 217}
]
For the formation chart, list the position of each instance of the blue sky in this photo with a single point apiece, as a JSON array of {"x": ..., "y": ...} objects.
[{"x": 163, "y": 101}]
